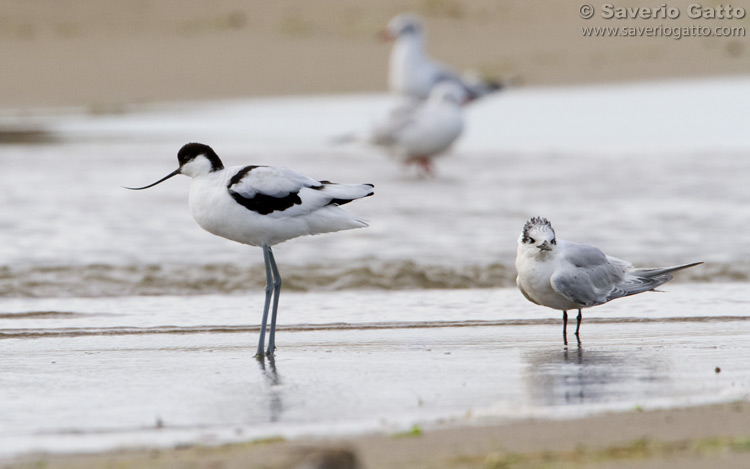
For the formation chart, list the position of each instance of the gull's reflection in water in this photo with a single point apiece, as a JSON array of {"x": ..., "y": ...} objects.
[
  {"x": 273, "y": 387},
  {"x": 574, "y": 376}
]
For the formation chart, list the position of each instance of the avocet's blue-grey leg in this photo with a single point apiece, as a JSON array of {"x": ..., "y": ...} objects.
[
  {"x": 578, "y": 325},
  {"x": 276, "y": 291},
  {"x": 266, "y": 306}
]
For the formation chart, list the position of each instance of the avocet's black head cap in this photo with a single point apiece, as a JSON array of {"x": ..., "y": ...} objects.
[
  {"x": 187, "y": 154},
  {"x": 189, "y": 151}
]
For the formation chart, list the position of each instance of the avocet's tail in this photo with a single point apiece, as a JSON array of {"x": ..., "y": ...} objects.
[{"x": 341, "y": 194}]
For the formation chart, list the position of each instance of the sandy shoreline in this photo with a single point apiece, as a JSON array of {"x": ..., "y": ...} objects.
[
  {"x": 61, "y": 53},
  {"x": 696, "y": 437}
]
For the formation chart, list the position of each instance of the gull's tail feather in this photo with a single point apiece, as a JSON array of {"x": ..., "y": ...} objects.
[
  {"x": 495, "y": 85},
  {"x": 660, "y": 271},
  {"x": 477, "y": 86},
  {"x": 642, "y": 280}
]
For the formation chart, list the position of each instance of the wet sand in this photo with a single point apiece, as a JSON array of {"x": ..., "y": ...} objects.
[
  {"x": 440, "y": 385},
  {"x": 712, "y": 436}
]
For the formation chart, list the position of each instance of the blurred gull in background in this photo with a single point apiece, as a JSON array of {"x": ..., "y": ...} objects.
[
  {"x": 413, "y": 74},
  {"x": 417, "y": 132}
]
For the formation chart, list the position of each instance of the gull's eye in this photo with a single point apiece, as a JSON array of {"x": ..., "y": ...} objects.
[{"x": 532, "y": 240}]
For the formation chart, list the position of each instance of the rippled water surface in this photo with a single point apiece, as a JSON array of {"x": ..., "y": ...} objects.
[{"x": 123, "y": 323}]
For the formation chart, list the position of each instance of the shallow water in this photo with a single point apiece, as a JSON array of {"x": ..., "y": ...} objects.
[
  {"x": 69, "y": 229},
  {"x": 123, "y": 323}
]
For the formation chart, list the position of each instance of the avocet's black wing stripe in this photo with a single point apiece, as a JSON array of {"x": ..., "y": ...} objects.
[
  {"x": 265, "y": 204},
  {"x": 239, "y": 175},
  {"x": 265, "y": 190}
]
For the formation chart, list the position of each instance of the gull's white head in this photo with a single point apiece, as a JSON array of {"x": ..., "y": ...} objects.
[
  {"x": 538, "y": 236},
  {"x": 405, "y": 24},
  {"x": 448, "y": 92}
]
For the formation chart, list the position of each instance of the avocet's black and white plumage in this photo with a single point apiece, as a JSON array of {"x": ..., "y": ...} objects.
[
  {"x": 263, "y": 206},
  {"x": 565, "y": 275},
  {"x": 412, "y": 73}
]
